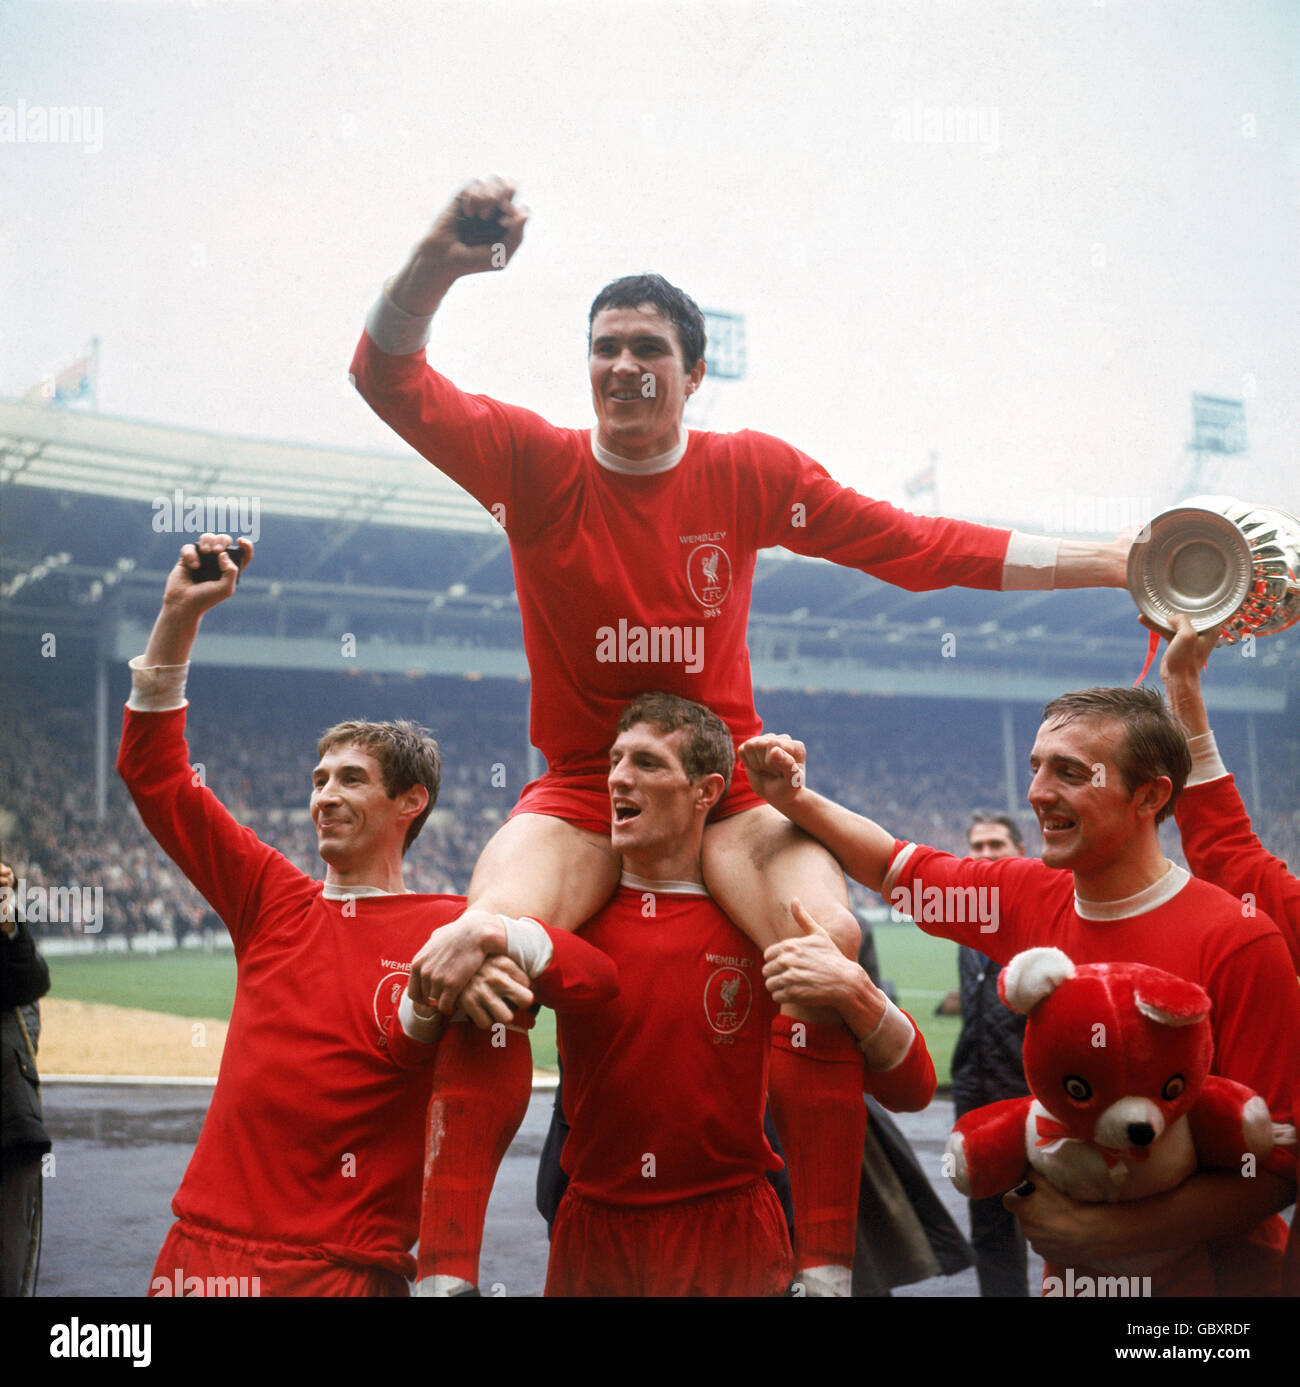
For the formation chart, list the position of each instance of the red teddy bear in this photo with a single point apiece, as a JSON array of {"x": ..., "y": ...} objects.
[{"x": 1124, "y": 1106}]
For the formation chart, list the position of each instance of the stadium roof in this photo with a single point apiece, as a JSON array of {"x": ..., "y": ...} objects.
[
  {"x": 85, "y": 452},
  {"x": 69, "y": 450}
]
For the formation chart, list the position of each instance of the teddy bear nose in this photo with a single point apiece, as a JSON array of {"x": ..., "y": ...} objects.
[{"x": 1140, "y": 1133}]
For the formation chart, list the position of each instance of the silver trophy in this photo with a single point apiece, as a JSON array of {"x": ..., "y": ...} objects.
[{"x": 1221, "y": 561}]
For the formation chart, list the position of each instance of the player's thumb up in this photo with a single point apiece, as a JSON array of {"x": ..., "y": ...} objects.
[{"x": 805, "y": 921}]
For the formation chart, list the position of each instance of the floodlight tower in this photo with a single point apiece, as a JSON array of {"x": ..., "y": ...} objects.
[
  {"x": 724, "y": 359},
  {"x": 1218, "y": 430}
]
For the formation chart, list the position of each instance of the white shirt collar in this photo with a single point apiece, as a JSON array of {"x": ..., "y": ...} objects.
[
  {"x": 646, "y": 467},
  {"x": 1149, "y": 898},
  {"x": 354, "y": 893},
  {"x": 662, "y": 888}
]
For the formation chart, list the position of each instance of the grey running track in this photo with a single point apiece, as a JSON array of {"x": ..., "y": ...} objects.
[{"x": 120, "y": 1152}]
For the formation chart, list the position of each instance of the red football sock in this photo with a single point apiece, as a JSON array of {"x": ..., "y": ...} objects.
[
  {"x": 815, "y": 1092},
  {"x": 480, "y": 1095}
]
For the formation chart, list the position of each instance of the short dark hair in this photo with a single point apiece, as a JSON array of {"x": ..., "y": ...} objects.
[
  {"x": 675, "y": 304},
  {"x": 978, "y": 816},
  {"x": 707, "y": 748},
  {"x": 1154, "y": 744},
  {"x": 407, "y": 756}
]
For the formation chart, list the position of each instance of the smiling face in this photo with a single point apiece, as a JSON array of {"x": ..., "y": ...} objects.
[
  {"x": 658, "y": 812},
  {"x": 357, "y": 824},
  {"x": 1089, "y": 820},
  {"x": 639, "y": 383}
]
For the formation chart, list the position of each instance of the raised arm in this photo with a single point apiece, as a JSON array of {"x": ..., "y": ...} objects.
[
  {"x": 485, "y": 214},
  {"x": 504, "y": 456},
  {"x": 1180, "y": 673},
  {"x": 797, "y": 504},
  {"x": 1218, "y": 839},
  {"x": 1082, "y": 563},
  {"x": 233, "y": 870},
  {"x": 442, "y": 257},
  {"x": 185, "y": 601},
  {"x": 777, "y": 767}
]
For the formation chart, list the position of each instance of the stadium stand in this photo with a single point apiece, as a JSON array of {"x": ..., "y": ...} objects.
[{"x": 915, "y": 706}]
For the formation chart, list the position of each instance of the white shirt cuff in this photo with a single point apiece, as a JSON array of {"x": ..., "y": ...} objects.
[
  {"x": 887, "y": 1046},
  {"x": 1207, "y": 764},
  {"x": 1030, "y": 563},
  {"x": 528, "y": 945},
  {"x": 425, "y": 1029},
  {"x": 395, "y": 331},
  {"x": 896, "y": 868},
  {"x": 156, "y": 688}
]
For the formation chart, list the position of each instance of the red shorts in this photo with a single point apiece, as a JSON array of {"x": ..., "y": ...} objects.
[
  {"x": 582, "y": 798},
  {"x": 200, "y": 1262},
  {"x": 730, "y": 1244}
]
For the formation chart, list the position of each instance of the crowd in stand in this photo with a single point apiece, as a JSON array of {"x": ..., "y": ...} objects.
[
  {"x": 259, "y": 766},
  {"x": 258, "y": 761}
]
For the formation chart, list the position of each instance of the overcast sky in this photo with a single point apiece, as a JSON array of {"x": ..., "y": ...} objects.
[{"x": 1031, "y": 291}]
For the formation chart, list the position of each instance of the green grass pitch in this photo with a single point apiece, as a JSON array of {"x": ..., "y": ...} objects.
[
  {"x": 922, "y": 969},
  {"x": 179, "y": 982},
  {"x": 203, "y": 985}
]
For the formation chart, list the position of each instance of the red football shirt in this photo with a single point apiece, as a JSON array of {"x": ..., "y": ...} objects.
[
  {"x": 314, "y": 1135},
  {"x": 1221, "y": 847},
  {"x": 665, "y": 1086},
  {"x": 1185, "y": 926},
  {"x": 1191, "y": 929},
  {"x": 630, "y": 582}
]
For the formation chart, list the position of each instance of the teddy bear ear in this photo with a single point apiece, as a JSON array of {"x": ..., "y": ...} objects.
[
  {"x": 1031, "y": 976},
  {"x": 1170, "y": 1000}
]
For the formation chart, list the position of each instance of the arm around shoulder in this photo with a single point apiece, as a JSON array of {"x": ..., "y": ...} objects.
[{"x": 777, "y": 767}]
